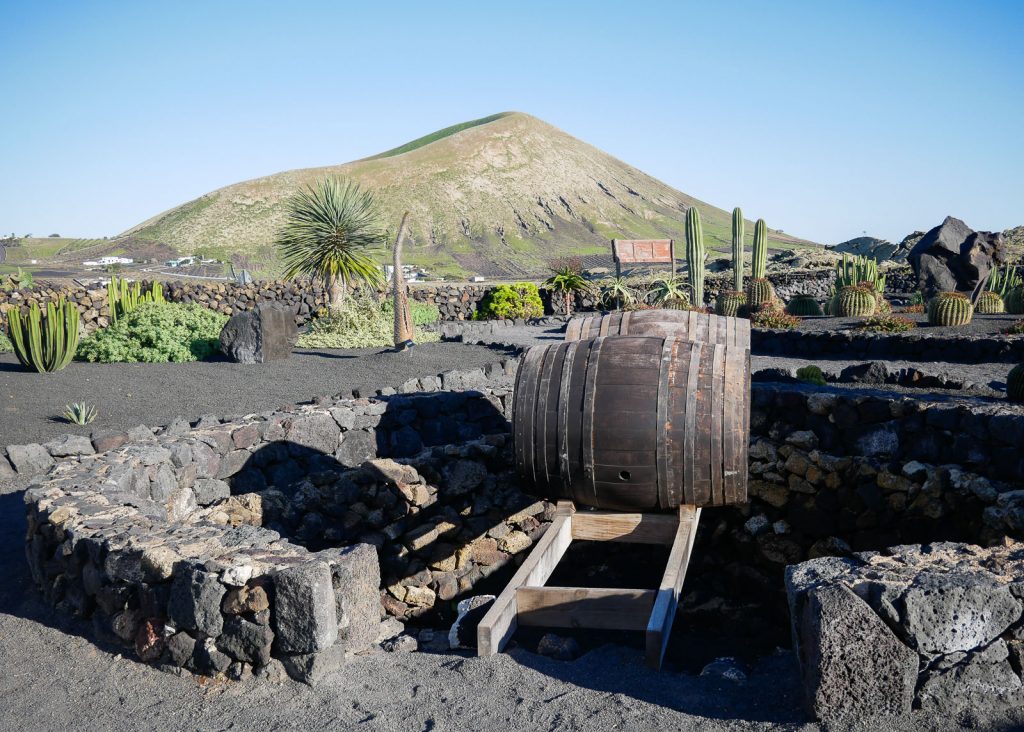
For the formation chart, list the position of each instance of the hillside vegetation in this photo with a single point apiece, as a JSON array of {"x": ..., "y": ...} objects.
[{"x": 498, "y": 196}]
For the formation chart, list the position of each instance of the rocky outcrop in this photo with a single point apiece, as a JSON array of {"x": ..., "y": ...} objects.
[
  {"x": 265, "y": 333},
  {"x": 952, "y": 256},
  {"x": 933, "y": 626},
  {"x": 868, "y": 246}
]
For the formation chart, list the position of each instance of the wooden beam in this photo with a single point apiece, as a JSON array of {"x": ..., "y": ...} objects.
[
  {"x": 585, "y": 607},
  {"x": 499, "y": 623},
  {"x": 660, "y": 626},
  {"x": 635, "y": 528}
]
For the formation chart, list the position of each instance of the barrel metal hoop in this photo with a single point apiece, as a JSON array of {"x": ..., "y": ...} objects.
[{"x": 589, "y": 394}]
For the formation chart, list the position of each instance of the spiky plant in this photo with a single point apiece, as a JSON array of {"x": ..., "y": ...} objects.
[
  {"x": 1014, "y": 301},
  {"x": 737, "y": 249},
  {"x": 45, "y": 344},
  {"x": 1015, "y": 384},
  {"x": 803, "y": 305},
  {"x": 950, "y": 309},
  {"x": 123, "y": 298},
  {"x": 854, "y": 271},
  {"x": 80, "y": 413},
  {"x": 567, "y": 279},
  {"x": 855, "y": 302},
  {"x": 669, "y": 289},
  {"x": 730, "y": 303},
  {"x": 990, "y": 302},
  {"x": 759, "y": 292},
  {"x": 329, "y": 231},
  {"x": 1002, "y": 280},
  {"x": 617, "y": 293},
  {"x": 811, "y": 374},
  {"x": 759, "y": 257},
  {"x": 695, "y": 254}
]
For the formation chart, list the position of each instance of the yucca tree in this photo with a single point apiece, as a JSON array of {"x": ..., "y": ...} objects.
[
  {"x": 617, "y": 292},
  {"x": 568, "y": 281},
  {"x": 330, "y": 229}
]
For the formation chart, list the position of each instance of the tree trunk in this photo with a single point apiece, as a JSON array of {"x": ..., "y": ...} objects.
[
  {"x": 568, "y": 303},
  {"x": 335, "y": 291},
  {"x": 403, "y": 315}
]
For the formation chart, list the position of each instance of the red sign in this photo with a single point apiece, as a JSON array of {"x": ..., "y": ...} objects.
[{"x": 643, "y": 251}]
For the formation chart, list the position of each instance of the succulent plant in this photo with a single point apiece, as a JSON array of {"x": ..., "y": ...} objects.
[
  {"x": 80, "y": 413},
  {"x": 45, "y": 344},
  {"x": 950, "y": 309},
  {"x": 803, "y": 305},
  {"x": 122, "y": 298},
  {"x": 730, "y": 302},
  {"x": 676, "y": 303},
  {"x": 887, "y": 323},
  {"x": 811, "y": 374},
  {"x": 737, "y": 249},
  {"x": 770, "y": 315},
  {"x": 990, "y": 302},
  {"x": 1015, "y": 384},
  {"x": 856, "y": 270},
  {"x": 855, "y": 302},
  {"x": 759, "y": 292},
  {"x": 759, "y": 259},
  {"x": 1002, "y": 280},
  {"x": 1014, "y": 301},
  {"x": 695, "y": 254}
]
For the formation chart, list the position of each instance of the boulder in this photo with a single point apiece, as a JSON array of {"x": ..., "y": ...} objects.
[
  {"x": 306, "y": 619},
  {"x": 952, "y": 256},
  {"x": 265, "y": 333}
]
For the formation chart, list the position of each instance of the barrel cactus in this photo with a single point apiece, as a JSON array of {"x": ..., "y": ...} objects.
[
  {"x": 990, "y": 302},
  {"x": 45, "y": 344},
  {"x": 803, "y": 305},
  {"x": 1014, "y": 301},
  {"x": 675, "y": 303},
  {"x": 1015, "y": 384},
  {"x": 759, "y": 292},
  {"x": 855, "y": 302},
  {"x": 950, "y": 309},
  {"x": 730, "y": 302}
]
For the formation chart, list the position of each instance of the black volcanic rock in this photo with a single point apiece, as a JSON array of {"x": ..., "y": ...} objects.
[{"x": 952, "y": 256}]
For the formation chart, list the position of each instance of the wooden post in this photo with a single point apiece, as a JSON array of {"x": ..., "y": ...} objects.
[{"x": 660, "y": 626}]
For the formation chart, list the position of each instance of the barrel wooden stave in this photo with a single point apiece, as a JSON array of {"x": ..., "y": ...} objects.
[
  {"x": 688, "y": 325},
  {"x": 634, "y": 422}
]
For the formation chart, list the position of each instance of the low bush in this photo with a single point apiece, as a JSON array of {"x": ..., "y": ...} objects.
[
  {"x": 361, "y": 322},
  {"x": 422, "y": 313},
  {"x": 156, "y": 333},
  {"x": 773, "y": 317},
  {"x": 5, "y": 343},
  {"x": 811, "y": 374},
  {"x": 1015, "y": 329},
  {"x": 887, "y": 323},
  {"x": 508, "y": 302}
]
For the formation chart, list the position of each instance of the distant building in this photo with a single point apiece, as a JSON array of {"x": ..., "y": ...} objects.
[
  {"x": 477, "y": 278},
  {"x": 107, "y": 261}
]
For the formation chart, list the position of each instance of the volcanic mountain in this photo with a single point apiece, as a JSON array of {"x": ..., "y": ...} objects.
[{"x": 499, "y": 196}]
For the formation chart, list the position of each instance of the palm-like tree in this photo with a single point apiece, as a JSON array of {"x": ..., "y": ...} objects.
[
  {"x": 617, "y": 292},
  {"x": 330, "y": 227},
  {"x": 568, "y": 281}
]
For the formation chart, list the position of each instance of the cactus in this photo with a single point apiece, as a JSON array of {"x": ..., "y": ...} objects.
[
  {"x": 1002, "y": 280},
  {"x": 1014, "y": 301},
  {"x": 856, "y": 270},
  {"x": 990, "y": 302},
  {"x": 811, "y": 374},
  {"x": 122, "y": 298},
  {"x": 737, "y": 249},
  {"x": 45, "y": 345},
  {"x": 759, "y": 292},
  {"x": 676, "y": 304},
  {"x": 1015, "y": 384},
  {"x": 855, "y": 302},
  {"x": 803, "y": 305},
  {"x": 695, "y": 254},
  {"x": 730, "y": 302},
  {"x": 759, "y": 258},
  {"x": 950, "y": 309}
]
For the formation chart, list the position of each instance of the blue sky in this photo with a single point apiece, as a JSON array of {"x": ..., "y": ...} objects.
[{"x": 827, "y": 119}]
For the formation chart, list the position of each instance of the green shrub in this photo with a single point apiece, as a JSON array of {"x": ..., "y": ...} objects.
[
  {"x": 156, "y": 333},
  {"x": 361, "y": 322},
  {"x": 773, "y": 317},
  {"x": 5, "y": 343},
  {"x": 1016, "y": 329},
  {"x": 887, "y": 323},
  {"x": 811, "y": 374},
  {"x": 508, "y": 302},
  {"x": 423, "y": 313}
]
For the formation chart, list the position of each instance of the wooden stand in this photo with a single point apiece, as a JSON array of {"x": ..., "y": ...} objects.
[{"x": 526, "y": 601}]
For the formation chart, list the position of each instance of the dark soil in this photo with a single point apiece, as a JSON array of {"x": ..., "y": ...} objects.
[{"x": 980, "y": 325}]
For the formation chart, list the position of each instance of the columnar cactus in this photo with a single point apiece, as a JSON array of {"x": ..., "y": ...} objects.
[
  {"x": 45, "y": 345},
  {"x": 122, "y": 298},
  {"x": 1015, "y": 384},
  {"x": 737, "y": 249},
  {"x": 950, "y": 309},
  {"x": 990, "y": 302},
  {"x": 695, "y": 254},
  {"x": 855, "y": 302},
  {"x": 759, "y": 258},
  {"x": 803, "y": 305},
  {"x": 730, "y": 302},
  {"x": 858, "y": 270},
  {"x": 759, "y": 292}
]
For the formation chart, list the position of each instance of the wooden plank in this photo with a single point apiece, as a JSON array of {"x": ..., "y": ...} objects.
[
  {"x": 717, "y": 407},
  {"x": 633, "y": 528},
  {"x": 564, "y": 463},
  {"x": 589, "y": 393},
  {"x": 690, "y": 486},
  {"x": 664, "y": 611},
  {"x": 585, "y": 607},
  {"x": 499, "y": 623}
]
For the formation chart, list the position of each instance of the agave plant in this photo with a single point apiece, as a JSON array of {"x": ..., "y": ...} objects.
[
  {"x": 567, "y": 280},
  {"x": 329, "y": 230},
  {"x": 80, "y": 413},
  {"x": 670, "y": 289},
  {"x": 617, "y": 292}
]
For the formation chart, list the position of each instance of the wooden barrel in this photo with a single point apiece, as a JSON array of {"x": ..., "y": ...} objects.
[
  {"x": 636, "y": 423},
  {"x": 685, "y": 324}
]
